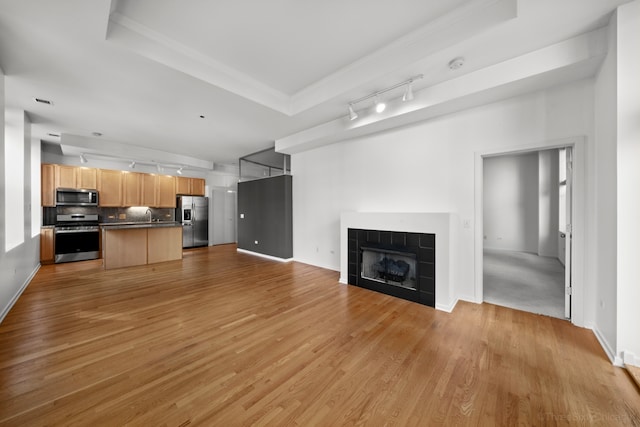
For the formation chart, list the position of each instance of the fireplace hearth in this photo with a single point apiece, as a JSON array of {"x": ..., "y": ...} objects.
[{"x": 400, "y": 264}]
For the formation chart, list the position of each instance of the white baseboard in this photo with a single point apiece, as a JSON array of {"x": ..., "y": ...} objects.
[
  {"x": 343, "y": 281},
  {"x": 14, "y": 299},
  {"x": 615, "y": 360},
  {"x": 630, "y": 358},
  {"x": 448, "y": 308},
  {"x": 272, "y": 258}
]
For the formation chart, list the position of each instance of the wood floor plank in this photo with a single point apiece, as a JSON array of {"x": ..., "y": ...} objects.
[{"x": 225, "y": 338}]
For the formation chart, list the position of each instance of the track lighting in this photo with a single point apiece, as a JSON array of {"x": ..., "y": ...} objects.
[
  {"x": 132, "y": 165},
  {"x": 179, "y": 171},
  {"x": 380, "y": 105},
  {"x": 159, "y": 167},
  {"x": 83, "y": 159},
  {"x": 408, "y": 92},
  {"x": 352, "y": 114}
]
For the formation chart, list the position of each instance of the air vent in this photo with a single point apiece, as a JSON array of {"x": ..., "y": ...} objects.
[
  {"x": 43, "y": 101},
  {"x": 55, "y": 135}
]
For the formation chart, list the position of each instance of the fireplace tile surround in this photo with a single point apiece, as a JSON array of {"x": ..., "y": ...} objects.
[
  {"x": 391, "y": 246},
  {"x": 444, "y": 225}
]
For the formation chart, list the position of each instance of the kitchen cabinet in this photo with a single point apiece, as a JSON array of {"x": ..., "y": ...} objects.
[
  {"x": 164, "y": 244},
  {"x": 197, "y": 187},
  {"x": 126, "y": 247},
  {"x": 132, "y": 183},
  {"x": 48, "y": 184},
  {"x": 86, "y": 178},
  {"x": 47, "y": 254},
  {"x": 166, "y": 191},
  {"x": 110, "y": 188},
  {"x": 75, "y": 177},
  {"x": 189, "y": 186},
  {"x": 149, "y": 190},
  {"x": 65, "y": 176}
]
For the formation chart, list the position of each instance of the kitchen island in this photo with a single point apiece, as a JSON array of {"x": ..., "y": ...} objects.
[{"x": 140, "y": 243}]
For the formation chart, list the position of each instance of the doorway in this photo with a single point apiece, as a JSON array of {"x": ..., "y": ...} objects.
[
  {"x": 223, "y": 225},
  {"x": 526, "y": 237}
]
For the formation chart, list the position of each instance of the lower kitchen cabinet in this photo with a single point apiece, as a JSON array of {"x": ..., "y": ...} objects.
[
  {"x": 126, "y": 247},
  {"x": 47, "y": 252},
  {"x": 164, "y": 244}
]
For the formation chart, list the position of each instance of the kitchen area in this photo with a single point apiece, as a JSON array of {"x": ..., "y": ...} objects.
[{"x": 124, "y": 218}]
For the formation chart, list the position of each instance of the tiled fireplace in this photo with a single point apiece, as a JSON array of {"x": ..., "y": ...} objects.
[
  {"x": 396, "y": 254},
  {"x": 396, "y": 263}
]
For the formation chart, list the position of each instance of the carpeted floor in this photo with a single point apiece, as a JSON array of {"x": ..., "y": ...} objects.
[{"x": 524, "y": 281}]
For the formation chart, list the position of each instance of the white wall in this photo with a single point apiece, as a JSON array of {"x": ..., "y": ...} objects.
[
  {"x": 427, "y": 167},
  {"x": 20, "y": 263},
  {"x": 548, "y": 195},
  {"x": 628, "y": 202},
  {"x": 604, "y": 214},
  {"x": 511, "y": 202}
]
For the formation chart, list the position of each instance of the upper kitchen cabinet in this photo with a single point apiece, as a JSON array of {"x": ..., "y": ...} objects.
[
  {"x": 166, "y": 191},
  {"x": 75, "y": 177},
  {"x": 132, "y": 182},
  {"x": 197, "y": 187},
  {"x": 110, "y": 187},
  {"x": 149, "y": 190},
  {"x": 48, "y": 184},
  {"x": 189, "y": 186},
  {"x": 86, "y": 178}
]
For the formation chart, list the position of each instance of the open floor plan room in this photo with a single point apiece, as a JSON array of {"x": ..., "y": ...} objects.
[{"x": 225, "y": 338}]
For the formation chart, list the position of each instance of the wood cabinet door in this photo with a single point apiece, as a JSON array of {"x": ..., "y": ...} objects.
[
  {"x": 47, "y": 255},
  {"x": 149, "y": 190},
  {"x": 132, "y": 182},
  {"x": 197, "y": 186},
  {"x": 166, "y": 191},
  {"x": 183, "y": 185},
  {"x": 66, "y": 176},
  {"x": 110, "y": 187},
  {"x": 48, "y": 184},
  {"x": 86, "y": 178}
]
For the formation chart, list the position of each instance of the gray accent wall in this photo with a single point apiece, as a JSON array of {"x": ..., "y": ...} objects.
[{"x": 264, "y": 216}]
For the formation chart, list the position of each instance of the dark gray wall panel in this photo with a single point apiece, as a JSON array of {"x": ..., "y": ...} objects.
[{"x": 266, "y": 205}]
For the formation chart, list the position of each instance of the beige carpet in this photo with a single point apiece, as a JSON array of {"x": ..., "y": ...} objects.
[{"x": 524, "y": 281}]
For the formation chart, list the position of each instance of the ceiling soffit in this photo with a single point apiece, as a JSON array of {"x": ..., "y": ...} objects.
[{"x": 447, "y": 30}]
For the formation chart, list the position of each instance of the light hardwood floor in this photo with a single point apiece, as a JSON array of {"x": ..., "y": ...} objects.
[{"x": 224, "y": 339}]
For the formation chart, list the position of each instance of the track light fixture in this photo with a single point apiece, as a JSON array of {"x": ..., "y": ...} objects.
[
  {"x": 132, "y": 165},
  {"x": 179, "y": 171},
  {"x": 380, "y": 105},
  {"x": 408, "y": 92},
  {"x": 83, "y": 159},
  {"x": 352, "y": 114}
]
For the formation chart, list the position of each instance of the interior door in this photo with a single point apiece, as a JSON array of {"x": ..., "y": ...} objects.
[{"x": 568, "y": 233}]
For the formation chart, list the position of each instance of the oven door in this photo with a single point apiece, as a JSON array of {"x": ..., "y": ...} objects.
[{"x": 76, "y": 244}]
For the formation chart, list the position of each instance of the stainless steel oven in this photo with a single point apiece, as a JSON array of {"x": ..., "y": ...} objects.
[{"x": 77, "y": 237}]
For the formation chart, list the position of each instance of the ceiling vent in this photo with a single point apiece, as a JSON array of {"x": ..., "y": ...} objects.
[{"x": 43, "y": 101}]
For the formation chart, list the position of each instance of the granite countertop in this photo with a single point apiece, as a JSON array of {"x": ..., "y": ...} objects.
[{"x": 154, "y": 224}]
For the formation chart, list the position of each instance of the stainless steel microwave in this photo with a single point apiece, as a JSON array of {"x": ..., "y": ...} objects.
[{"x": 76, "y": 197}]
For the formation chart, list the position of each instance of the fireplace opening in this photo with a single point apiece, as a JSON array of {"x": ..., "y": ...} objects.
[{"x": 392, "y": 267}]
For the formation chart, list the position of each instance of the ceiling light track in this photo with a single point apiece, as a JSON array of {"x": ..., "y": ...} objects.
[{"x": 380, "y": 105}]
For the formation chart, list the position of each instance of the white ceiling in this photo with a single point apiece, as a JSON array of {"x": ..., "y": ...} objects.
[{"x": 141, "y": 72}]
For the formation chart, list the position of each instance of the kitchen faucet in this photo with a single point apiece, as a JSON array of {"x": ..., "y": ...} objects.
[{"x": 150, "y": 214}]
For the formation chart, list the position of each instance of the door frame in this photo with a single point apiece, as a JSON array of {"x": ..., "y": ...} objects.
[{"x": 578, "y": 218}]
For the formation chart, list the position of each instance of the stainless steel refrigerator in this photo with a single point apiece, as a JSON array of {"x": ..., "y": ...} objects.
[{"x": 193, "y": 212}]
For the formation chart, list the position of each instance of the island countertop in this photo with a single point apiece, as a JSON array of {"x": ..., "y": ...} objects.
[{"x": 127, "y": 225}]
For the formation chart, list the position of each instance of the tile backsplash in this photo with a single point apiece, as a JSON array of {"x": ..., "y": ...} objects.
[{"x": 132, "y": 214}]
